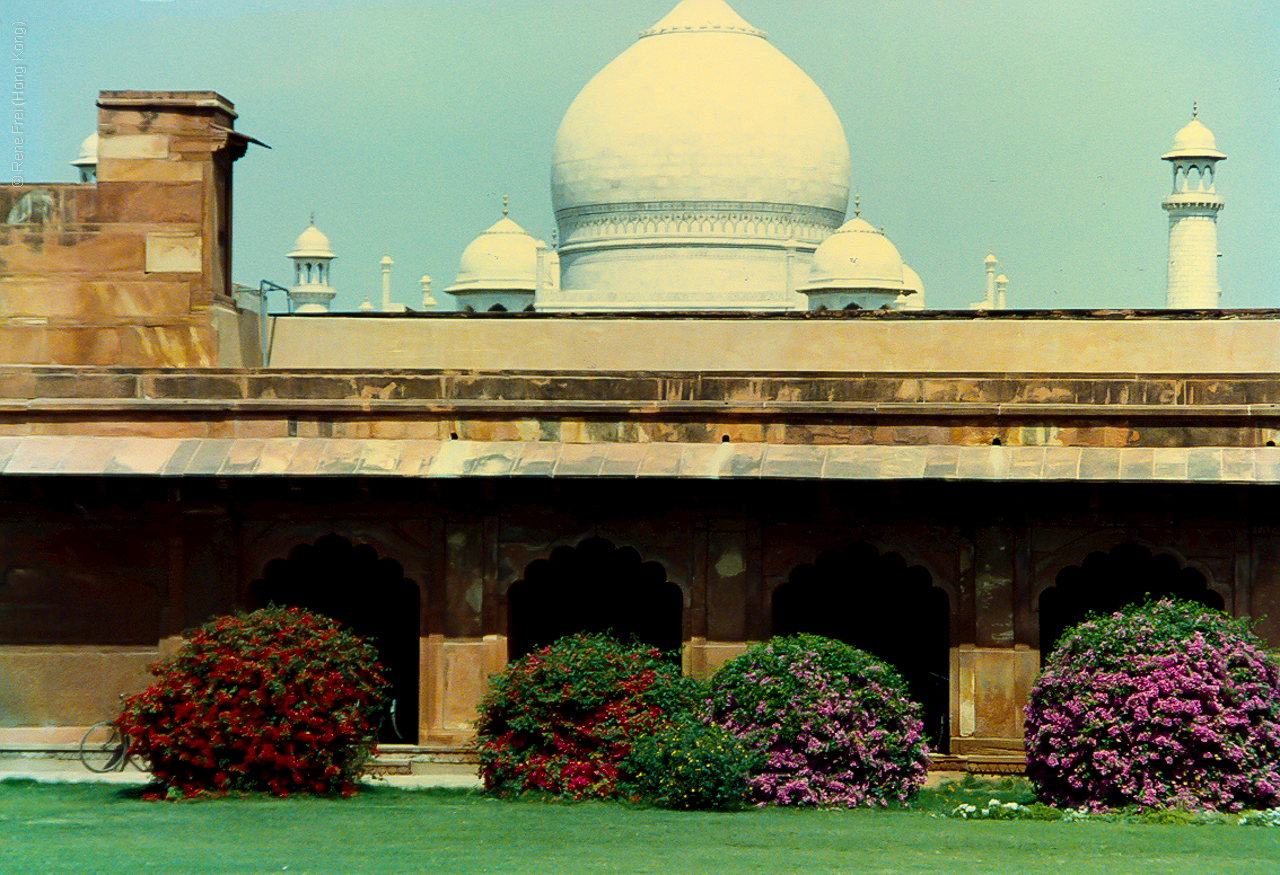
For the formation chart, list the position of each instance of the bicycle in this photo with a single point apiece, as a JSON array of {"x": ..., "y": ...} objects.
[{"x": 104, "y": 748}]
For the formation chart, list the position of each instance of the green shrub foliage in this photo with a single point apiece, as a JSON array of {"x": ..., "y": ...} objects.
[
  {"x": 279, "y": 701},
  {"x": 832, "y": 725},
  {"x": 1167, "y": 704},
  {"x": 562, "y": 719},
  {"x": 691, "y": 764}
]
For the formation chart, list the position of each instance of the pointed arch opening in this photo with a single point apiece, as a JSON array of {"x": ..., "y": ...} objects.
[
  {"x": 1105, "y": 582},
  {"x": 594, "y": 587},
  {"x": 371, "y": 597},
  {"x": 878, "y": 603}
]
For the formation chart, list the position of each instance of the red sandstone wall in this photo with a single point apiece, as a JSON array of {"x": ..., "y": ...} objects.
[{"x": 131, "y": 270}]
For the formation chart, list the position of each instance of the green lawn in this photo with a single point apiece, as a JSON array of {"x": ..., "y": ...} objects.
[{"x": 85, "y": 828}]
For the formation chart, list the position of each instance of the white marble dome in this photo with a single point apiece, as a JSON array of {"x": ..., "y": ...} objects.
[
  {"x": 912, "y": 297},
  {"x": 683, "y": 167},
  {"x": 1194, "y": 141},
  {"x": 857, "y": 265},
  {"x": 858, "y": 256},
  {"x": 503, "y": 257},
  {"x": 311, "y": 244},
  {"x": 88, "y": 156}
]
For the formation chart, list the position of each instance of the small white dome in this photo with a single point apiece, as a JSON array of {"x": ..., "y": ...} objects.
[
  {"x": 857, "y": 256},
  {"x": 504, "y": 257},
  {"x": 88, "y": 156},
  {"x": 911, "y": 282},
  {"x": 311, "y": 244},
  {"x": 1194, "y": 141}
]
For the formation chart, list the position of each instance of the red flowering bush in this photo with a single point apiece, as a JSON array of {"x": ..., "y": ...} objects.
[
  {"x": 564, "y": 718},
  {"x": 1166, "y": 704},
  {"x": 832, "y": 724},
  {"x": 279, "y": 701}
]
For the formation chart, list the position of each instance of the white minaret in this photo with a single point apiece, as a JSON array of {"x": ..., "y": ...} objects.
[
  {"x": 311, "y": 292},
  {"x": 1193, "y": 219},
  {"x": 386, "y": 264},
  {"x": 428, "y": 302},
  {"x": 990, "y": 301}
]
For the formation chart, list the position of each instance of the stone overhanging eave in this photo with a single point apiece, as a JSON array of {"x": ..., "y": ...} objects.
[
  {"x": 58, "y": 456},
  {"x": 188, "y": 407}
]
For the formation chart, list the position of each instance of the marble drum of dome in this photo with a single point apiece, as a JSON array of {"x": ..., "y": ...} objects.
[{"x": 682, "y": 170}]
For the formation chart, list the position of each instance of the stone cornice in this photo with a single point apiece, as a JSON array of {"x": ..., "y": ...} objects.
[{"x": 1193, "y": 201}]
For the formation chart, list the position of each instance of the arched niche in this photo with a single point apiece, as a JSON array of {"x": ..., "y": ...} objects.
[
  {"x": 879, "y": 603},
  {"x": 370, "y": 596},
  {"x": 1104, "y": 581},
  {"x": 595, "y": 586}
]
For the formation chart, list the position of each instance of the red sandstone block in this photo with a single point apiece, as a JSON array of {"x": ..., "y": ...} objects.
[{"x": 154, "y": 202}]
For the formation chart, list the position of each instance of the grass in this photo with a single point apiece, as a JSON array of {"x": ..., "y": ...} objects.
[{"x": 79, "y": 828}]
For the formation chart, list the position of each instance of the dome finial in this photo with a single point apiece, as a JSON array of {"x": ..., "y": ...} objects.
[
  {"x": 506, "y": 210},
  {"x": 702, "y": 16},
  {"x": 313, "y": 218},
  {"x": 857, "y": 205},
  {"x": 1195, "y": 108}
]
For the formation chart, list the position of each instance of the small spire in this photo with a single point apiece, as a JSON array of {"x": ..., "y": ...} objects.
[
  {"x": 506, "y": 211},
  {"x": 313, "y": 218},
  {"x": 857, "y": 205},
  {"x": 1195, "y": 108},
  {"x": 555, "y": 238}
]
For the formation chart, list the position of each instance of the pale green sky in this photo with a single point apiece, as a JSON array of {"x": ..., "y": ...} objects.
[{"x": 1033, "y": 129}]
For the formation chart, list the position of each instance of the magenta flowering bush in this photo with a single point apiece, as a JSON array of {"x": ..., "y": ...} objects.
[
  {"x": 1167, "y": 704},
  {"x": 832, "y": 725}
]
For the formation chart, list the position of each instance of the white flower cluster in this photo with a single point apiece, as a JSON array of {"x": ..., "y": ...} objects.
[
  {"x": 995, "y": 810},
  {"x": 1268, "y": 817}
]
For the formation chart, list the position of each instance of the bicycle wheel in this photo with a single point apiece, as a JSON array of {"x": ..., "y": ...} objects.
[
  {"x": 135, "y": 759},
  {"x": 102, "y": 748}
]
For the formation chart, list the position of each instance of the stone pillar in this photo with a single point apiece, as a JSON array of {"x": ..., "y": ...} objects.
[
  {"x": 701, "y": 658},
  {"x": 467, "y": 567},
  {"x": 1264, "y": 591},
  {"x": 454, "y": 674},
  {"x": 992, "y": 675},
  {"x": 728, "y": 565},
  {"x": 991, "y": 686}
]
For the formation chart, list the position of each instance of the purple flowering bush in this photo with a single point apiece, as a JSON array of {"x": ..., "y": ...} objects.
[
  {"x": 832, "y": 725},
  {"x": 1167, "y": 704}
]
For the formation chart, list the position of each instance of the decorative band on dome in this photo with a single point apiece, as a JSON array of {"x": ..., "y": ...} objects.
[{"x": 659, "y": 29}]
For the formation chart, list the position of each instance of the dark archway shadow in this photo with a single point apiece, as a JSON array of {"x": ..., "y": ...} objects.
[
  {"x": 1106, "y": 582},
  {"x": 371, "y": 597},
  {"x": 875, "y": 602},
  {"x": 594, "y": 587}
]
